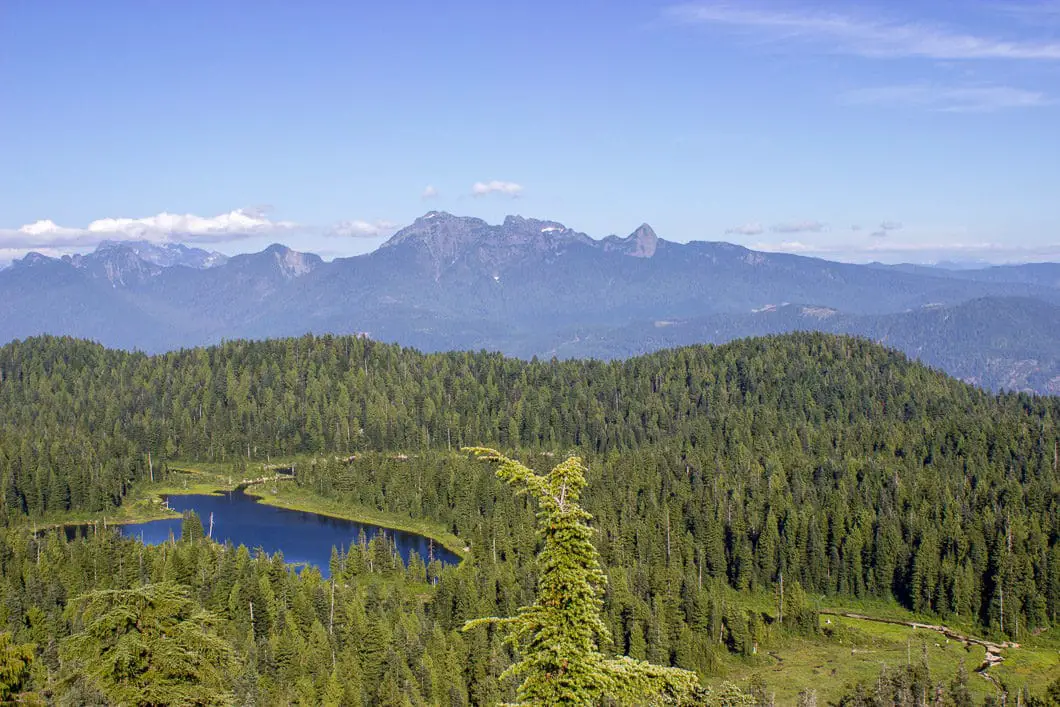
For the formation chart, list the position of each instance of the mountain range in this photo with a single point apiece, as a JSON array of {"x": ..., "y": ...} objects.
[{"x": 532, "y": 287}]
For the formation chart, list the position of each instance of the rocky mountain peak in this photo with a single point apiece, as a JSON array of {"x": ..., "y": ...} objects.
[
  {"x": 536, "y": 228},
  {"x": 645, "y": 241},
  {"x": 437, "y": 214},
  {"x": 128, "y": 263},
  {"x": 275, "y": 260},
  {"x": 642, "y": 243},
  {"x": 437, "y": 231},
  {"x": 540, "y": 234},
  {"x": 291, "y": 263},
  {"x": 165, "y": 254},
  {"x": 33, "y": 259},
  {"x": 444, "y": 243},
  {"x": 117, "y": 263}
]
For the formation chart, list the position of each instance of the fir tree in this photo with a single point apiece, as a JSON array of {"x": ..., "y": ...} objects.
[
  {"x": 15, "y": 660},
  {"x": 191, "y": 529},
  {"x": 147, "y": 646},
  {"x": 559, "y": 635}
]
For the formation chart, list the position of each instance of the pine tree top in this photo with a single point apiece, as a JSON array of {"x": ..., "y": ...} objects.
[{"x": 560, "y": 634}]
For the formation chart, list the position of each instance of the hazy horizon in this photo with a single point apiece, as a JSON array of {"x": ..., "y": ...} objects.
[
  {"x": 259, "y": 244},
  {"x": 891, "y": 132}
]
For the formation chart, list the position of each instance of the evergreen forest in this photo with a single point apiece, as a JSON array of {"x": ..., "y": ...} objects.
[{"x": 732, "y": 492}]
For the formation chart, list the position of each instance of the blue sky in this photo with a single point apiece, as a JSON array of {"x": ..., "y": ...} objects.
[{"x": 892, "y": 131}]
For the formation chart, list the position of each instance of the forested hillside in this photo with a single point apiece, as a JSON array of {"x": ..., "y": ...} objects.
[
  {"x": 997, "y": 343},
  {"x": 830, "y": 462}
]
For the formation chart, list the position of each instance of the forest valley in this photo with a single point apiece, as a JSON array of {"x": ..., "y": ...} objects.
[{"x": 730, "y": 493}]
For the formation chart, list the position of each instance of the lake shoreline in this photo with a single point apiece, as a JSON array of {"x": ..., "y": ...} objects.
[
  {"x": 309, "y": 502},
  {"x": 144, "y": 509},
  {"x": 298, "y": 536},
  {"x": 147, "y": 506}
]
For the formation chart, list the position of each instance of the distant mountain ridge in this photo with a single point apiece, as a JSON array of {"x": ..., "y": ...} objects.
[
  {"x": 165, "y": 254},
  {"x": 1010, "y": 343},
  {"x": 536, "y": 287}
]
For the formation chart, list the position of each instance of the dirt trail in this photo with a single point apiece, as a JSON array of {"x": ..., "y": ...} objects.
[{"x": 993, "y": 650}]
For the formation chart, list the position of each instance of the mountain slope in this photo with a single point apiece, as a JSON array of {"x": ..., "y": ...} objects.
[
  {"x": 165, "y": 254},
  {"x": 1008, "y": 343},
  {"x": 1042, "y": 274},
  {"x": 509, "y": 286},
  {"x": 536, "y": 287},
  {"x": 41, "y": 295}
]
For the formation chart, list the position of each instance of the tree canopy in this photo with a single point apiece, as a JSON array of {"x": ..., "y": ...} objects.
[
  {"x": 560, "y": 633},
  {"x": 828, "y": 466},
  {"x": 149, "y": 645}
]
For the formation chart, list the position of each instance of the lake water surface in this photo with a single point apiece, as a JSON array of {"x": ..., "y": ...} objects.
[{"x": 301, "y": 536}]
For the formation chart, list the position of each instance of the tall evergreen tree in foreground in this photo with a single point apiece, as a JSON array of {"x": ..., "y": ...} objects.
[{"x": 559, "y": 635}]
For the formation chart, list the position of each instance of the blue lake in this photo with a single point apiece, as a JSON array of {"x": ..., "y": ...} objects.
[{"x": 301, "y": 536}]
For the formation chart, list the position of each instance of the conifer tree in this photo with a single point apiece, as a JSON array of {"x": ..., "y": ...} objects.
[
  {"x": 15, "y": 660},
  {"x": 191, "y": 529},
  {"x": 559, "y": 635},
  {"x": 147, "y": 646}
]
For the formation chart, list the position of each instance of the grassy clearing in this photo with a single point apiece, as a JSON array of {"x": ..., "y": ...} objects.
[
  {"x": 1036, "y": 663},
  {"x": 855, "y": 653},
  {"x": 287, "y": 495},
  {"x": 889, "y": 609},
  {"x": 849, "y": 651},
  {"x": 139, "y": 510}
]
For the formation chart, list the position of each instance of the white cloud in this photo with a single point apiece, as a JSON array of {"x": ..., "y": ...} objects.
[
  {"x": 429, "y": 192},
  {"x": 797, "y": 247},
  {"x": 861, "y": 35},
  {"x": 362, "y": 229},
  {"x": 950, "y": 99},
  {"x": 1036, "y": 12},
  {"x": 496, "y": 187},
  {"x": 165, "y": 227},
  {"x": 799, "y": 227},
  {"x": 748, "y": 229}
]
